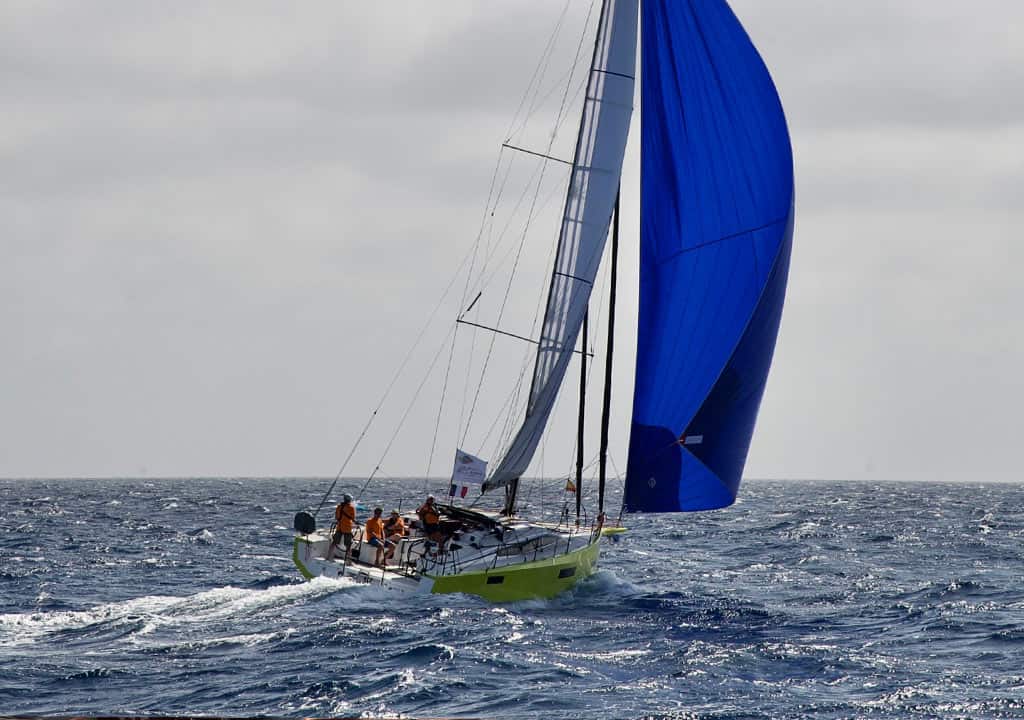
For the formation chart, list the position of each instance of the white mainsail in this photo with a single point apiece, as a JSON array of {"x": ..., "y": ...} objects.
[{"x": 590, "y": 199}]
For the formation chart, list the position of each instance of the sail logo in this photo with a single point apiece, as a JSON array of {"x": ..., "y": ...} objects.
[{"x": 469, "y": 470}]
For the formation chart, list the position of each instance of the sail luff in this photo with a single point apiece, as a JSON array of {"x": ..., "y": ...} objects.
[{"x": 590, "y": 198}]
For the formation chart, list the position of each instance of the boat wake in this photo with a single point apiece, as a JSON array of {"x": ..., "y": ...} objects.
[{"x": 141, "y": 616}]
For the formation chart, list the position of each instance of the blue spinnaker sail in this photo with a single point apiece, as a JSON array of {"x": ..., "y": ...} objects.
[{"x": 716, "y": 228}]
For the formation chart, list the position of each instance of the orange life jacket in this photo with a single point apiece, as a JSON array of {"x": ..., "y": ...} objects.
[
  {"x": 428, "y": 514},
  {"x": 395, "y": 526},
  {"x": 375, "y": 528},
  {"x": 344, "y": 516}
]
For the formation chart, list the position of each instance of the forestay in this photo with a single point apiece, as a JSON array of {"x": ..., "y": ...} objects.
[
  {"x": 716, "y": 229},
  {"x": 590, "y": 198}
]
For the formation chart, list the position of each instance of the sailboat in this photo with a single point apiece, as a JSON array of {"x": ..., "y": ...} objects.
[{"x": 716, "y": 227}]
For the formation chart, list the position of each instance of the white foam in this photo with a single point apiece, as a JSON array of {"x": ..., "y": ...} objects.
[{"x": 162, "y": 611}]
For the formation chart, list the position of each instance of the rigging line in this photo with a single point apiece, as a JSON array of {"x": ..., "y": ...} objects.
[
  {"x": 408, "y": 356},
  {"x": 508, "y": 411},
  {"x": 510, "y": 402},
  {"x": 572, "y": 68},
  {"x": 440, "y": 407},
  {"x": 480, "y": 232},
  {"x": 409, "y": 408},
  {"x": 536, "y": 154},
  {"x": 488, "y": 225},
  {"x": 541, "y": 298},
  {"x": 483, "y": 285},
  {"x": 559, "y": 118},
  {"x": 508, "y": 289},
  {"x": 394, "y": 380},
  {"x": 541, "y": 68},
  {"x": 538, "y": 368},
  {"x": 505, "y": 438},
  {"x": 552, "y": 194},
  {"x": 535, "y": 177},
  {"x": 522, "y": 197},
  {"x": 489, "y": 211},
  {"x": 460, "y": 321},
  {"x": 554, "y": 412},
  {"x": 537, "y": 103}
]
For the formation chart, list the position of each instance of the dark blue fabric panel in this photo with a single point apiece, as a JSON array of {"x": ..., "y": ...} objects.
[
  {"x": 715, "y": 232},
  {"x": 726, "y": 419}
]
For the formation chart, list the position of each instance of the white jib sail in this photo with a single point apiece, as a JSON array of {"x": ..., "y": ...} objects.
[{"x": 589, "y": 202}]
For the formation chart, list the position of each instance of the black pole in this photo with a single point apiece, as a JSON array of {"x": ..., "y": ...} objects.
[
  {"x": 510, "y": 497},
  {"x": 583, "y": 407},
  {"x": 606, "y": 411}
]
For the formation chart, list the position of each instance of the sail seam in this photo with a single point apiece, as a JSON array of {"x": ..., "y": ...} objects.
[
  {"x": 753, "y": 311},
  {"x": 741, "y": 233}
]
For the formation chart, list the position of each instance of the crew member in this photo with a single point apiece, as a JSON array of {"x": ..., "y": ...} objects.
[
  {"x": 374, "y": 534},
  {"x": 344, "y": 519},
  {"x": 394, "y": 530},
  {"x": 430, "y": 518},
  {"x": 430, "y": 521}
]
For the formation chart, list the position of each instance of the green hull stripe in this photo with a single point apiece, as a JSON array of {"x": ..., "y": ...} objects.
[
  {"x": 540, "y": 579},
  {"x": 298, "y": 563}
]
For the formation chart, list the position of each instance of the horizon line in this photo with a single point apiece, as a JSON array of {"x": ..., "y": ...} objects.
[{"x": 440, "y": 479}]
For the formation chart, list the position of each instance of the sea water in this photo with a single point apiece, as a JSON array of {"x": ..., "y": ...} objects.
[{"x": 803, "y": 600}]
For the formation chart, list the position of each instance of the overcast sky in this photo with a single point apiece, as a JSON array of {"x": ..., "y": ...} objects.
[{"x": 223, "y": 225}]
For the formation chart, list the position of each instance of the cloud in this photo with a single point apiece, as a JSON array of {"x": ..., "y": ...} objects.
[{"x": 223, "y": 226}]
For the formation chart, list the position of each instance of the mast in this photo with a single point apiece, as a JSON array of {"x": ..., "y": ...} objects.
[
  {"x": 606, "y": 411},
  {"x": 583, "y": 407}
]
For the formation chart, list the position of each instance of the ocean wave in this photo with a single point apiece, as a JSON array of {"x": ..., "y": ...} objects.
[{"x": 788, "y": 605}]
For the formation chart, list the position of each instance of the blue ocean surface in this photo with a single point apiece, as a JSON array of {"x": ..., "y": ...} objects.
[{"x": 804, "y": 600}]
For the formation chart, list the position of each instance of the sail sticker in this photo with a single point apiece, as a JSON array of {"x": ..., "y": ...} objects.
[{"x": 691, "y": 439}]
